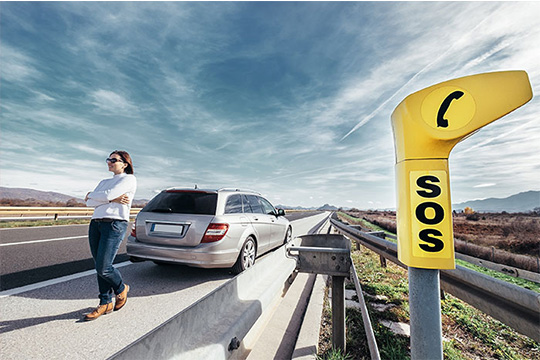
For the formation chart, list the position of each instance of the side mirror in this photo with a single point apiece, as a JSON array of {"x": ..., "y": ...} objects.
[{"x": 280, "y": 212}]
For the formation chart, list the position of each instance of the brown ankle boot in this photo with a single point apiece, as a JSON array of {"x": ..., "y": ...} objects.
[
  {"x": 100, "y": 310},
  {"x": 121, "y": 298}
]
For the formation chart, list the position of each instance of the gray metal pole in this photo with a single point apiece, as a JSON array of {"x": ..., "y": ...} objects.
[
  {"x": 338, "y": 312},
  {"x": 425, "y": 310}
]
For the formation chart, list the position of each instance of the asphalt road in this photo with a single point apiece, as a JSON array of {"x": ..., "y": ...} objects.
[
  {"x": 44, "y": 320},
  {"x": 34, "y": 254}
]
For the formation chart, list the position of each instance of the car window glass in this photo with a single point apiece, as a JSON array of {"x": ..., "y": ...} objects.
[
  {"x": 253, "y": 202},
  {"x": 233, "y": 205},
  {"x": 268, "y": 208},
  {"x": 247, "y": 207},
  {"x": 183, "y": 202}
]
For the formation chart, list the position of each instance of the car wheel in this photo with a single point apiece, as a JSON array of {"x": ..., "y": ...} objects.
[
  {"x": 247, "y": 255},
  {"x": 288, "y": 235}
]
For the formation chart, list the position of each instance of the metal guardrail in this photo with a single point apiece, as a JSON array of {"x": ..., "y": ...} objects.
[
  {"x": 514, "y": 306},
  {"x": 18, "y": 213},
  {"x": 370, "y": 335},
  {"x": 505, "y": 269},
  {"x": 502, "y": 268},
  {"x": 225, "y": 315}
]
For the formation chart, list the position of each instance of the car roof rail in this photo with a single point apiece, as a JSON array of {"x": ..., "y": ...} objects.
[
  {"x": 236, "y": 189},
  {"x": 183, "y": 188}
]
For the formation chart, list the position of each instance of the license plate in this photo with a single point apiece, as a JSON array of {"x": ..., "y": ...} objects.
[{"x": 168, "y": 228}]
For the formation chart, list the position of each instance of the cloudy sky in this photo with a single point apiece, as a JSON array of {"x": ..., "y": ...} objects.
[{"x": 290, "y": 99}]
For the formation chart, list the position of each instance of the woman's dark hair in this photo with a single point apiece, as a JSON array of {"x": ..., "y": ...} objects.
[{"x": 126, "y": 159}]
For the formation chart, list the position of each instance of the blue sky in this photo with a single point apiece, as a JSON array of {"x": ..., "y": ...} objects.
[{"x": 292, "y": 99}]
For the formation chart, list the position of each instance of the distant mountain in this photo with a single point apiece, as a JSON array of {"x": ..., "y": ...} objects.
[
  {"x": 327, "y": 207},
  {"x": 286, "y": 207},
  {"x": 522, "y": 202},
  {"x": 47, "y": 196},
  {"x": 31, "y": 194}
]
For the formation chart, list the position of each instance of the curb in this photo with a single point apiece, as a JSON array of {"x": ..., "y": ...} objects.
[{"x": 307, "y": 344}]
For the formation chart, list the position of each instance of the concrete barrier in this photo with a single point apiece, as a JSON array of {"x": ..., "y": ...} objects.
[{"x": 207, "y": 329}]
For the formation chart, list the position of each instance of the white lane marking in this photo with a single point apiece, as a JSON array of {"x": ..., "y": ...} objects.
[
  {"x": 59, "y": 280},
  {"x": 44, "y": 240}
]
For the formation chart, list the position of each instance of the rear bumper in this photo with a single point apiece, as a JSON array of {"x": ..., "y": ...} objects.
[{"x": 204, "y": 256}]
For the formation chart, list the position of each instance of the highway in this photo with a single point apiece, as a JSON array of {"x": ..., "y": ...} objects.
[
  {"x": 33, "y": 254},
  {"x": 43, "y": 320}
]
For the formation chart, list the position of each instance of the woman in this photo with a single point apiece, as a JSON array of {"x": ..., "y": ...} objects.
[{"x": 112, "y": 200}]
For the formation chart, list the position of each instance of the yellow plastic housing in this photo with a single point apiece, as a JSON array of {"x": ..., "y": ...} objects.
[
  {"x": 486, "y": 98},
  {"x": 427, "y": 125}
]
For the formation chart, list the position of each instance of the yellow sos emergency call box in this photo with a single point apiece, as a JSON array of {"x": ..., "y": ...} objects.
[{"x": 427, "y": 125}]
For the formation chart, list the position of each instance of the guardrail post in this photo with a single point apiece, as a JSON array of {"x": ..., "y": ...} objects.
[
  {"x": 338, "y": 312},
  {"x": 425, "y": 311},
  {"x": 330, "y": 255}
]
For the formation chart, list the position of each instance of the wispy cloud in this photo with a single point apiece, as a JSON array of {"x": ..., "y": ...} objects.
[
  {"x": 484, "y": 185},
  {"x": 16, "y": 65},
  {"x": 111, "y": 102},
  {"x": 444, "y": 55},
  {"x": 252, "y": 94}
]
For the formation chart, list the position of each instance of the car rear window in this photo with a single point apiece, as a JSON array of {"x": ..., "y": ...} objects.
[{"x": 183, "y": 202}]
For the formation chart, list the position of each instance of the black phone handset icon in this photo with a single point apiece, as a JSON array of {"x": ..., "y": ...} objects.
[{"x": 441, "y": 121}]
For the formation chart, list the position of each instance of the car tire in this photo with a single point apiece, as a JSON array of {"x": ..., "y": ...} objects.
[
  {"x": 247, "y": 256},
  {"x": 288, "y": 235}
]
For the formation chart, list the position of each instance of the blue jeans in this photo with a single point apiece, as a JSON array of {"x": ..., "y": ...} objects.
[{"x": 105, "y": 239}]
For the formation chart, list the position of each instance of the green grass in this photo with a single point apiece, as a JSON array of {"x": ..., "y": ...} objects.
[
  {"x": 334, "y": 354},
  {"x": 500, "y": 339},
  {"x": 498, "y": 275},
  {"x": 366, "y": 224},
  {"x": 481, "y": 336},
  {"x": 451, "y": 352}
]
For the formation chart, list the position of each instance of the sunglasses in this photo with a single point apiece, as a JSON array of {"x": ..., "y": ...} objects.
[{"x": 112, "y": 160}]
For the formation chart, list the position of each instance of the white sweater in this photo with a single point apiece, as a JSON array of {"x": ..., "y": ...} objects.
[{"x": 110, "y": 189}]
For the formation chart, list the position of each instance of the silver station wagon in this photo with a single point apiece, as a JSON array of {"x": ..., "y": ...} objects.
[{"x": 207, "y": 228}]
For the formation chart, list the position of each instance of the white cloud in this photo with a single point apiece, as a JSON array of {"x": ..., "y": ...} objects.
[
  {"x": 16, "y": 66},
  {"x": 111, "y": 102},
  {"x": 484, "y": 185},
  {"x": 89, "y": 150}
]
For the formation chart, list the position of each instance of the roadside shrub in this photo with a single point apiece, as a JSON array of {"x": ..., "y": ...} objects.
[
  {"x": 498, "y": 256},
  {"x": 473, "y": 217},
  {"x": 386, "y": 224}
]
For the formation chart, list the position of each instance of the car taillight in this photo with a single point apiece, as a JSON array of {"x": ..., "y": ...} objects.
[
  {"x": 215, "y": 232},
  {"x": 133, "y": 230}
]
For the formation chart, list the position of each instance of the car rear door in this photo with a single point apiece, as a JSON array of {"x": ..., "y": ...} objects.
[
  {"x": 259, "y": 220},
  {"x": 235, "y": 217}
]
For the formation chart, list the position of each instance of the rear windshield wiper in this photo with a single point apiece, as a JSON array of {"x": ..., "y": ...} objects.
[{"x": 163, "y": 210}]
